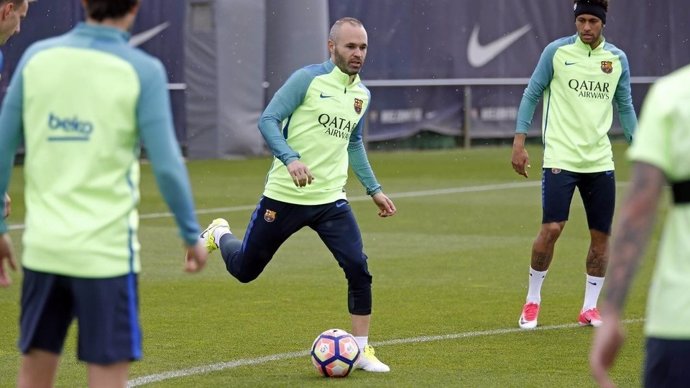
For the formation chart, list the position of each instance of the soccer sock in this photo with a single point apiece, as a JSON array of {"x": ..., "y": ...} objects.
[
  {"x": 219, "y": 232},
  {"x": 592, "y": 291},
  {"x": 536, "y": 279},
  {"x": 230, "y": 247},
  {"x": 362, "y": 342}
]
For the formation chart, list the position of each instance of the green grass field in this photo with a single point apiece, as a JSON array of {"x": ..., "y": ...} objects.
[{"x": 450, "y": 278}]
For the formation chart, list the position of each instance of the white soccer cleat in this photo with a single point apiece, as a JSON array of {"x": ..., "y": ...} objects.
[
  {"x": 369, "y": 362},
  {"x": 207, "y": 236},
  {"x": 528, "y": 318}
]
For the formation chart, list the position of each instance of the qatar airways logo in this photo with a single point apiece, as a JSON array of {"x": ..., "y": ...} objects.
[
  {"x": 590, "y": 89},
  {"x": 68, "y": 128},
  {"x": 336, "y": 126}
]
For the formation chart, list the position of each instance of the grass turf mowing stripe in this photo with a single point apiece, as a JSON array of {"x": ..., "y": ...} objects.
[
  {"x": 139, "y": 381},
  {"x": 410, "y": 194}
]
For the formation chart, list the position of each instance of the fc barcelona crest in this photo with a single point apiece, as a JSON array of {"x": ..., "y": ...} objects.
[
  {"x": 607, "y": 67},
  {"x": 269, "y": 216},
  {"x": 358, "y": 105}
]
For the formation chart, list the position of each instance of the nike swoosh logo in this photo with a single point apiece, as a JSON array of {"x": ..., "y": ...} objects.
[
  {"x": 479, "y": 55},
  {"x": 145, "y": 36},
  {"x": 593, "y": 283},
  {"x": 569, "y": 63},
  {"x": 340, "y": 204},
  {"x": 324, "y": 95}
]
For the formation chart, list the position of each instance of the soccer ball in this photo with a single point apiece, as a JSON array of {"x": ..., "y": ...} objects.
[{"x": 334, "y": 353}]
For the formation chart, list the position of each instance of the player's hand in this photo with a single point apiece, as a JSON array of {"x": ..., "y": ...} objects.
[
  {"x": 385, "y": 205},
  {"x": 195, "y": 259},
  {"x": 300, "y": 173},
  {"x": 6, "y": 256},
  {"x": 8, "y": 206},
  {"x": 608, "y": 340},
  {"x": 520, "y": 160}
]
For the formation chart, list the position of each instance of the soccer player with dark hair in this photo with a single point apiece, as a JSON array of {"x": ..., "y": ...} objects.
[
  {"x": 313, "y": 126},
  {"x": 81, "y": 253},
  {"x": 579, "y": 77}
]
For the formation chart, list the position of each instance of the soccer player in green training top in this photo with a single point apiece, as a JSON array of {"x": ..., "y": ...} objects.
[
  {"x": 660, "y": 157},
  {"x": 313, "y": 126},
  {"x": 82, "y": 102},
  {"x": 578, "y": 77}
]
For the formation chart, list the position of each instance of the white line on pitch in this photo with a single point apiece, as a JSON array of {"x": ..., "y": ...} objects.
[
  {"x": 139, "y": 381},
  {"x": 409, "y": 194}
]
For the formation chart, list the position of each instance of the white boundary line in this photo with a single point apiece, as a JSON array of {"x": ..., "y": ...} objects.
[
  {"x": 409, "y": 194},
  {"x": 154, "y": 378},
  {"x": 285, "y": 356}
]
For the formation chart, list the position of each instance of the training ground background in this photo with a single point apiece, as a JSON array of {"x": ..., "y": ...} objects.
[{"x": 450, "y": 278}]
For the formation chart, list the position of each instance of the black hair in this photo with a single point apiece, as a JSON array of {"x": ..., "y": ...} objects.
[{"x": 109, "y": 9}]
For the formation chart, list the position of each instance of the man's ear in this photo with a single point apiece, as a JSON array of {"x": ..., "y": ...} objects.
[{"x": 6, "y": 9}]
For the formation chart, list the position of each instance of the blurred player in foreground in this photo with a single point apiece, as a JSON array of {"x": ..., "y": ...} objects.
[
  {"x": 82, "y": 102},
  {"x": 660, "y": 156}
]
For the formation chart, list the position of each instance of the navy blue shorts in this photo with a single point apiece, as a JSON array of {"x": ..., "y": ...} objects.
[
  {"x": 273, "y": 222},
  {"x": 666, "y": 363},
  {"x": 598, "y": 192},
  {"x": 106, "y": 311}
]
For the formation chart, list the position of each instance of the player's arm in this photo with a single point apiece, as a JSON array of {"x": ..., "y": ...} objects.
[
  {"x": 285, "y": 101},
  {"x": 652, "y": 161},
  {"x": 11, "y": 126},
  {"x": 634, "y": 227},
  {"x": 7, "y": 206},
  {"x": 538, "y": 82},
  {"x": 359, "y": 162},
  {"x": 158, "y": 136},
  {"x": 6, "y": 257},
  {"x": 623, "y": 98}
]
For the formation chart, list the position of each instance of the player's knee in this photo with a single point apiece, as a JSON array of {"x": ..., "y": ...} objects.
[
  {"x": 244, "y": 277},
  {"x": 360, "y": 278},
  {"x": 551, "y": 231},
  {"x": 354, "y": 310},
  {"x": 356, "y": 271},
  {"x": 243, "y": 267},
  {"x": 359, "y": 300}
]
